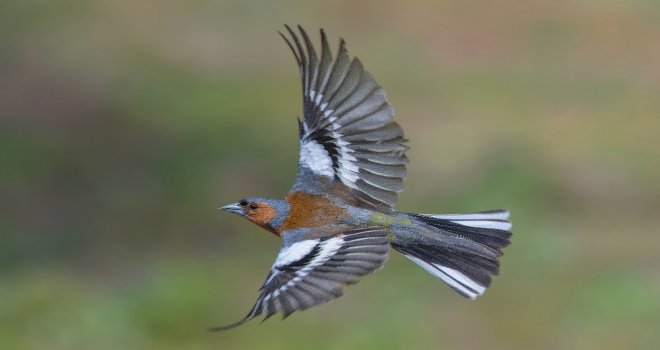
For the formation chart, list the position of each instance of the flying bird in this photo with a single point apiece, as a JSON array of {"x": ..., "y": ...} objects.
[{"x": 338, "y": 222}]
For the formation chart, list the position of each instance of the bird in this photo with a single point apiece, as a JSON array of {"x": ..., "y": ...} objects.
[{"x": 338, "y": 222}]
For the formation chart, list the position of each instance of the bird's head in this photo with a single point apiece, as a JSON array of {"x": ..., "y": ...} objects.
[{"x": 267, "y": 213}]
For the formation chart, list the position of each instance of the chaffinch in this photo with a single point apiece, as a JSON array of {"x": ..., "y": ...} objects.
[{"x": 338, "y": 222}]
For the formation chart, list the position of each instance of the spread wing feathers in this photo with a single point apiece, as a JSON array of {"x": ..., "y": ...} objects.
[
  {"x": 348, "y": 132},
  {"x": 311, "y": 272}
]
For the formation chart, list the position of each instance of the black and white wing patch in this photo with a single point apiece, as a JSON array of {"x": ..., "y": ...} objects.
[
  {"x": 348, "y": 132},
  {"x": 311, "y": 272}
]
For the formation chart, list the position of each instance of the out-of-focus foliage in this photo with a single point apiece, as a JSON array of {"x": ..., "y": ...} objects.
[{"x": 124, "y": 124}]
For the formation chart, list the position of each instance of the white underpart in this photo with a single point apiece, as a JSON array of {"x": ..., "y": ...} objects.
[
  {"x": 316, "y": 158},
  {"x": 328, "y": 249},
  {"x": 348, "y": 171},
  {"x": 295, "y": 252},
  {"x": 452, "y": 277},
  {"x": 317, "y": 99},
  {"x": 323, "y": 106}
]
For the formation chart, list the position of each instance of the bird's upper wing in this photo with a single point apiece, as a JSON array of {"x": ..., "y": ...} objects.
[
  {"x": 314, "y": 271},
  {"x": 348, "y": 132}
]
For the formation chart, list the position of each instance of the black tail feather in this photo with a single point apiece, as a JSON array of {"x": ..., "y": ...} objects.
[{"x": 464, "y": 251}]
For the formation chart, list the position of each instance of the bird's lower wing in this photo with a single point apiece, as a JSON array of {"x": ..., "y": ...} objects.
[{"x": 312, "y": 272}]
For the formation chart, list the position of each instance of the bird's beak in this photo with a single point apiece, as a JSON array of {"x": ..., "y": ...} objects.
[{"x": 233, "y": 208}]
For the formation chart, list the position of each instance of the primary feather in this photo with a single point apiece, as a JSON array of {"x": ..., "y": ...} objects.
[{"x": 348, "y": 131}]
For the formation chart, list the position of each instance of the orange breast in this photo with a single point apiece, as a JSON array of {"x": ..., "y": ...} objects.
[{"x": 311, "y": 210}]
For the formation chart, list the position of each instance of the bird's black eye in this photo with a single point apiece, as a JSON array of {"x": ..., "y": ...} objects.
[
  {"x": 253, "y": 206},
  {"x": 243, "y": 203}
]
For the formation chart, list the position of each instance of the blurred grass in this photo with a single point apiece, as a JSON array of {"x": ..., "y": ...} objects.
[{"x": 125, "y": 124}]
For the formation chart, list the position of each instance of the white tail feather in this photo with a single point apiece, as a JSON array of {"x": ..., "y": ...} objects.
[
  {"x": 498, "y": 219},
  {"x": 497, "y": 225},
  {"x": 455, "y": 279},
  {"x": 487, "y": 215}
]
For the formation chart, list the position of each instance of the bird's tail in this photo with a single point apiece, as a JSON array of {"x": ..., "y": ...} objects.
[{"x": 461, "y": 249}]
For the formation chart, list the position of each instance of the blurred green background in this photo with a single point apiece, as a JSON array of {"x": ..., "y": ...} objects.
[{"x": 125, "y": 124}]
